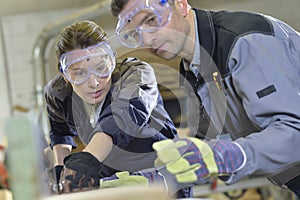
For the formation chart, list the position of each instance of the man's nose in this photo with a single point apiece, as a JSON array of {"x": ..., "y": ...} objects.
[{"x": 148, "y": 38}]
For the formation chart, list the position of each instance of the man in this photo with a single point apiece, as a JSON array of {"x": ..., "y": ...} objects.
[{"x": 244, "y": 68}]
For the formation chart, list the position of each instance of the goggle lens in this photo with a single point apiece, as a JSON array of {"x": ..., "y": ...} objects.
[
  {"x": 146, "y": 17},
  {"x": 79, "y": 64}
]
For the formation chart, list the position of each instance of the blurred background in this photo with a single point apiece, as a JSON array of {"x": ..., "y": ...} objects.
[{"x": 27, "y": 35}]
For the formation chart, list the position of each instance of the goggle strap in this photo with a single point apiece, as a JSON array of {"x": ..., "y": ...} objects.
[{"x": 163, "y": 2}]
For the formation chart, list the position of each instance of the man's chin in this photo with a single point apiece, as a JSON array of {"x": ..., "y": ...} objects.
[{"x": 166, "y": 55}]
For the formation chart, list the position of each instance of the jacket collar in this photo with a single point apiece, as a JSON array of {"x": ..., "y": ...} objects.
[
  {"x": 207, "y": 42},
  {"x": 206, "y": 30}
]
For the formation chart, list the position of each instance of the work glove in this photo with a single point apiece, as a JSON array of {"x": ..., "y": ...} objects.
[
  {"x": 54, "y": 177},
  {"x": 124, "y": 178},
  {"x": 192, "y": 160},
  {"x": 144, "y": 177},
  {"x": 81, "y": 172}
]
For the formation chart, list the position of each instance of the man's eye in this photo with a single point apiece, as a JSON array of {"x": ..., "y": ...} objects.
[
  {"x": 152, "y": 21},
  {"x": 80, "y": 73}
]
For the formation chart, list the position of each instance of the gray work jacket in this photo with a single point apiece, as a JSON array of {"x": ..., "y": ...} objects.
[{"x": 248, "y": 84}]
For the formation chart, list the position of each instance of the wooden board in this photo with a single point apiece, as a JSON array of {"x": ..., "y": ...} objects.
[
  {"x": 124, "y": 193},
  {"x": 5, "y": 194}
]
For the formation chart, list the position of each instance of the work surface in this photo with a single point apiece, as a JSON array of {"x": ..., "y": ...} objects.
[
  {"x": 124, "y": 193},
  {"x": 121, "y": 193}
]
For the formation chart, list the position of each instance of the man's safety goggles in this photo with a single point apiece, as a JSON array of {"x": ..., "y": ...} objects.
[
  {"x": 78, "y": 65},
  {"x": 143, "y": 16}
]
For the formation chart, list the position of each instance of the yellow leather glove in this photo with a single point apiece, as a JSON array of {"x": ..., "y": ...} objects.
[
  {"x": 192, "y": 160},
  {"x": 123, "y": 179}
]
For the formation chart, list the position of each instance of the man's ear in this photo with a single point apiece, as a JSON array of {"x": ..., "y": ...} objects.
[{"x": 182, "y": 7}]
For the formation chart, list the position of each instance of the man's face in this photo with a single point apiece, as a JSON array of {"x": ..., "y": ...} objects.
[{"x": 158, "y": 27}]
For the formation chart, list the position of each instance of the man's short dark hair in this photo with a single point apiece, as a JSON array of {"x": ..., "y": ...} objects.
[{"x": 117, "y": 6}]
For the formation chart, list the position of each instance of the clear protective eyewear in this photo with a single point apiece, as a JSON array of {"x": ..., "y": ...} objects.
[
  {"x": 78, "y": 65},
  {"x": 143, "y": 16}
]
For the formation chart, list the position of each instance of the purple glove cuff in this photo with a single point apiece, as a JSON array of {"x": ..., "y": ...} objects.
[{"x": 229, "y": 156}]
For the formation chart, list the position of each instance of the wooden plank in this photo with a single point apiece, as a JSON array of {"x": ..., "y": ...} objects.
[
  {"x": 124, "y": 193},
  {"x": 5, "y": 194}
]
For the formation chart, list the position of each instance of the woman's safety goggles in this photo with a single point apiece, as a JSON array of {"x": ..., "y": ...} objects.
[
  {"x": 78, "y": 65},
  {"x": 143, "y": 16}
]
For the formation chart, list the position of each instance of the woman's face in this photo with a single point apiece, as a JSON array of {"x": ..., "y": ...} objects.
[
  {"x": 94, "y": 90},
  {"x": 89, "y": 71}
]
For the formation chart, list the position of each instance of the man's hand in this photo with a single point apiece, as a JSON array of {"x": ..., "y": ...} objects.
[
  {"x": 191, "y": 160},
  {"x": 81, "y": 172}
]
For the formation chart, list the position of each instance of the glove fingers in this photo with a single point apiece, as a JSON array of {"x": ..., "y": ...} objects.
[
  {"x": 137, "y": 180},
  {"x": 178, "y": 166},
  {"x": 181, "y": 165},
  {"x": 168, "y": 155},
  {"x": 166, "y": 144},
  {"x": 202, "y": 147},
  {"x": 66, "y": 179},
  {"x": 162, "y": 145},
  {"x": 65, "y": 186},
  {"x": 206, "y": 155},
  {"x": 72, "y": 180},
  {"x": 86, "y": 182},
  {"x": 110, "y": 183},
  {"x": 77, "y": 179},
  {"x": 123, "y": 179},
  {"x": 167, "y": 150},
  {"x": 158, "y": 163},
  {"x": 122, "y": 175},
  {"x": 116, "y": 180},
  {"x": 189, "y": 175}
]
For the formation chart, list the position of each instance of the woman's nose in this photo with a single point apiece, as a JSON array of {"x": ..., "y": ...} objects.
[{"x": 93, "y": 81}]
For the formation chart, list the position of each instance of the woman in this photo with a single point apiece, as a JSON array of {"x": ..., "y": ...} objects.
[{"x": 113, "y": 106}]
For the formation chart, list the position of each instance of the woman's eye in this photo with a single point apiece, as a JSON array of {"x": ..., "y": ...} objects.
[
  {"x": 100, "y": 67},
  {"x": 79, "y": 72}
]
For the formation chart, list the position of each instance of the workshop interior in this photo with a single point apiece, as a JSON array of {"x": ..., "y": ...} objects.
[{"x": 27, "y": 37}]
